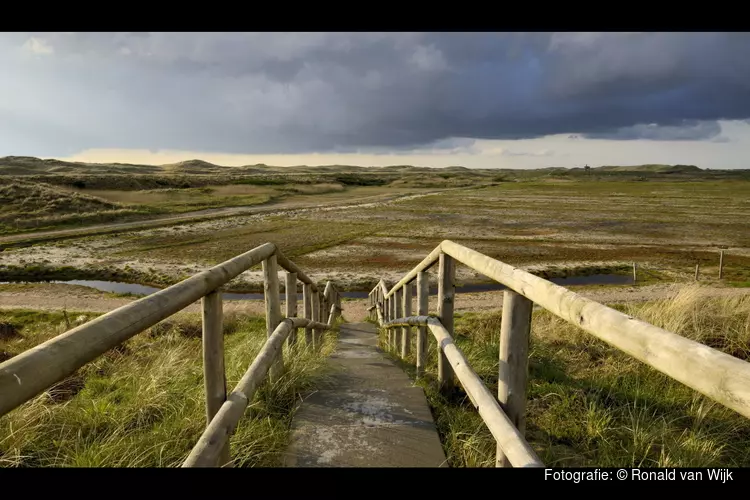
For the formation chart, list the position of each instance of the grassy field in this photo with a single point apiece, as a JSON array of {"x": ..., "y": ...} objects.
[
  {"x": 589, "y": 404},
  {"x": 36, "y": 206},
  {"x": 81, "y": 194},
  {"x": 142, "y": 403},
  {"x": 664, "y": 227},
  {"x": 548, "y": 226}
]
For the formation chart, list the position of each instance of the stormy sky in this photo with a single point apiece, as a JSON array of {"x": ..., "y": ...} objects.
[{"x": 477, "y": 99}]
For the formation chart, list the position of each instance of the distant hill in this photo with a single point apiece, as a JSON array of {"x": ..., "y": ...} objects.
[
  {"x": 28, "y": 165},
  {"x": 664, "y": 169},
  {"x": 31, "y": 166},
  {"x": 194, "y": 167}
]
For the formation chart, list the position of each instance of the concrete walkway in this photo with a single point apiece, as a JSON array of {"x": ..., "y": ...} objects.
[{"x": 369, "y": 414}]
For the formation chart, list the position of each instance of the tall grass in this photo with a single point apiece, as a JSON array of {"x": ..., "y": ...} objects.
[
  {"x": 589, "y": 404},
  {"x": 142, "y": 404}
]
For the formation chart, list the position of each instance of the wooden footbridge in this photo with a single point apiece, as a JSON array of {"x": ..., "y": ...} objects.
[{"x": 370, "y": 413}]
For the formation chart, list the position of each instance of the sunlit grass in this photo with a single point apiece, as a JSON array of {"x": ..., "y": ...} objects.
[
  {"x": 142, "y": 404},
  {"x": 589, "y": 404}
]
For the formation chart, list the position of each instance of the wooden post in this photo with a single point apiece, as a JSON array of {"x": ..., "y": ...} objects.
[
  {"x": 515, "y": 329},
  {"x": 423, "y": 301},
  {"x": 214, "y": 375},
  {"x": 697, "y": 271},
  {"x": 307, "y": 311},
  {"x": 316, "y": 317},
  {"x": 378, "y": 300},
  {"x": 387, "y": 317},
  {"x": 49, "y": 362},
  {"x": 273, "y": 309},
  {"x": 446, "y": 292},
  {"x": 399, "y": 304},
  {"x": 325, "y": 308},
  {"x": 290, "y": 290},
  {"x": 634, "y": 276},
  {"x": 406, "y": 332},
  {"x": 391, "y": 317},
  {"x": 721, "y": 264}
]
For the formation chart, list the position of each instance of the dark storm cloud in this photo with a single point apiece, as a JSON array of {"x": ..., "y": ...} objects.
[
  {"x": 277, "y": 93},
  {"x": 686, "y": 131}
]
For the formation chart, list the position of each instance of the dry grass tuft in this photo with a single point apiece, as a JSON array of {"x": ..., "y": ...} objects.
[
  {"x": 142, "y": 405},
  {"x": 589, "y": 404}
]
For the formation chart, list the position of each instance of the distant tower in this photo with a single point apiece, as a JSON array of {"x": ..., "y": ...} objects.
[{"x": 587, "y": 169}]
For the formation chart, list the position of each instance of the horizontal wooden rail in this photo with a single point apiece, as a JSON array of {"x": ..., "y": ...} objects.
[
  {"x": 719, "y": 376},
  {"x": 31, "y": 372},
  {"x": 290, "y": 266},
  {"x": 383, "y": 287},
  {"x": 206, "y": 452},
  {"x": 508, "y": 438},
  {"x": 427, "y": 263}
]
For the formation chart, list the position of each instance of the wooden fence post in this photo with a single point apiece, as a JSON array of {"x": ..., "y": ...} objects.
[
  {"x": 634, "y": 276},
  {"x": 290, "y": 291},
  {"x": 446, "y": 293},
  {"x": 316, "y": 317},
  {"x": 406, "y": 332},
  {"x": 307, "y": 311},
  {"x": 423, "y": 301},
  {"x": 386, "y": 318},
  {"x": 325, "y": 308},
  {"x": 214, "y": 375},
  {"x": 697, "y": 270},
  {"x": 399, "y": 305},
  {"x": 378, "y": 300},
  {"x": 391, "y": 317},
  {"x": 273, "y": 309},
  {"x": 721, "y": 264},
  {"x": 515, "y": 330}
]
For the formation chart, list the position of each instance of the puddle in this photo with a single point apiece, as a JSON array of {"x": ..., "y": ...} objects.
[{"x": 119, "y": 287}]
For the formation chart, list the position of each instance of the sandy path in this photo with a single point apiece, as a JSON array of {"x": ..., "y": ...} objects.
[{"x": 79, "y": 298}]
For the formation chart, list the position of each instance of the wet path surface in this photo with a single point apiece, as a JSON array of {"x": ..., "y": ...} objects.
[{"x": 368, "y": 414}]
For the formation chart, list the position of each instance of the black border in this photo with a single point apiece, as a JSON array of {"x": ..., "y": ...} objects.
[
  {"x": 382, "y": 483},
  {"x": 277, "y": 16}
]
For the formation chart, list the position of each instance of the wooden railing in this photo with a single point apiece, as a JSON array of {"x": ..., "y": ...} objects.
[
  {"x": 31, "y": 372},
  {"x": 713, "y": 373}
]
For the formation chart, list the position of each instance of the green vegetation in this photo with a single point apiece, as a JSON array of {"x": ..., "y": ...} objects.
[
  {"x": 294, "y": 237},
  {"x": 552, "y": 221},
  {"x": 142, "y": 403},
  {"x": 36, "y": 273},
  {"x": 590, "y": 404},
  {"x": 360, "y": 180},
  {"x": 661, "y": 226},
  {"x": 25, "y": 206}
]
